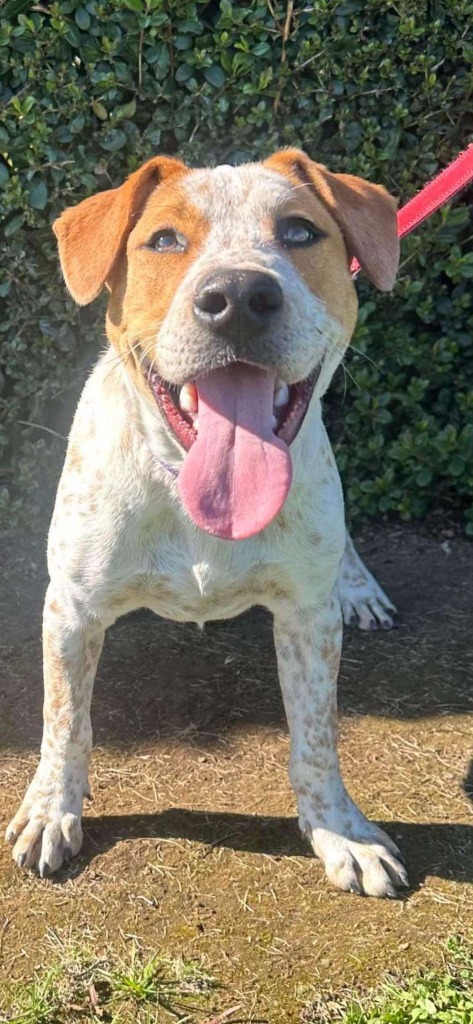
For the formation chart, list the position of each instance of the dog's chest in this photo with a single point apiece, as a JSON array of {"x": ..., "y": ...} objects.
[{"x": 181, "y": 580}]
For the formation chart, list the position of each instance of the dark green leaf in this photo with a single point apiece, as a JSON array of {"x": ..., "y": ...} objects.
[
  {"x": 82, "y": 18},
  {"x": 183, "y": 73},
  {"x": 424, "y": 477},
  {"x": 13, "y": 7},
  {"x": 14, "y": 224},
  {"x": 113, "y": 140},
  {"x": 183, "y": 42},
  {"x": 38, "y": 194},
  {"x": 215, "y": 76}
]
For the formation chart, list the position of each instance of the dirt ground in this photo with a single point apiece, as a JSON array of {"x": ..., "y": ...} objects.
[{"x": 191, "y": 842}]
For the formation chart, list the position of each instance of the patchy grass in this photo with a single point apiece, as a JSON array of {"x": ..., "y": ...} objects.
[
  {"x": 140, "y": 990},
  {"x": 40, "y": 1001},
  {"x": 178, "y": 986},
  {"x": 436, "y": 997},
  {"x": 154, "y": 989}
]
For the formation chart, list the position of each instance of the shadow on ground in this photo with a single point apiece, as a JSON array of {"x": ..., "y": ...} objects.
[
  {"x": 159, "y": 678},
  {"x": 442, "y": 849}
]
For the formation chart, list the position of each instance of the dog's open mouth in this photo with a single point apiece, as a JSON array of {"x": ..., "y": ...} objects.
[
  {"x": 181, "y": 406},
  {"x": 236, "y": 424}
]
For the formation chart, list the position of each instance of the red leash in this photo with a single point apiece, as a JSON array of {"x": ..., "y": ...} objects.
[{"x": 444, "y": 187}]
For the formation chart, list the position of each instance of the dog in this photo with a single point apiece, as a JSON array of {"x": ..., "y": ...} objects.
[{"x": 199, "y": 479}]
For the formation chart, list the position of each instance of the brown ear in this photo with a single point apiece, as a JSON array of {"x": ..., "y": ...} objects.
[
  {"x": 365, "y": 214},
  {"x": 92, "y": 234}
]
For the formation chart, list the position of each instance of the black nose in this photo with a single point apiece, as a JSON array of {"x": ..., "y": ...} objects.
[{"x": 232, "y": 299}]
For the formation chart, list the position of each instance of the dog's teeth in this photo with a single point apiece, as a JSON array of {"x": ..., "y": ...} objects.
[
  {"x": 281, "y": 395},
  {"x": 274, "y": 422},
  {"x": 188, "y": 398}
]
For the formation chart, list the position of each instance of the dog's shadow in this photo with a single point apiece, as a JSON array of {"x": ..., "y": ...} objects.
[{"x": 442, "y": 850}]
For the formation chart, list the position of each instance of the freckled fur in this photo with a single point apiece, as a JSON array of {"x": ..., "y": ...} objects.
[{"x": 120, "y": 538}]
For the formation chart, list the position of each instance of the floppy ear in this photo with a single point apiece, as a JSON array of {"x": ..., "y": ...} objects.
[
  {"x": 365, "y": 214},
  {"x": 93, "y": 234}
]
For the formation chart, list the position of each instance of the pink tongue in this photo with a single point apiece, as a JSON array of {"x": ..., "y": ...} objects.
[{"x": 237, "y": 474}]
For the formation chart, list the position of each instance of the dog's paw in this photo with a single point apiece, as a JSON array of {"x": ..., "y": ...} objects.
[
  {"x": 46, "y": 831},
  {"x": 368, "y": 864},
  {"x": 362, "y": 600}
]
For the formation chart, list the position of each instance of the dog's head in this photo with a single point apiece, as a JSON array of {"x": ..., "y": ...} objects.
[{"x": 231, "y": 297}]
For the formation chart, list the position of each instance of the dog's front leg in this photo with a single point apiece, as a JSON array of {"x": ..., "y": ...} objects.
[
  {"x": 47, "y": 828},
  {"x": 356, "y": 854}
]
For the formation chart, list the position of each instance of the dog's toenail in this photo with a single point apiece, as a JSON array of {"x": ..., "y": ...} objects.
[
  {"x": 373, "y": 624},
  {"x": 392, "y": 893},
  {"x": 353, "y": 620},
  {"x": 67, "y": 853},
  {"x": 44, "y": 870},
  {"x": 11, "y": 837},
  {"x": 22, "y": 860},
  {"x": 387, "y": 624}
]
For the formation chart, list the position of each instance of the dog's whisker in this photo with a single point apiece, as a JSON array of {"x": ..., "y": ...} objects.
[
  {"x": 350, "y": 375},
  {"x": 145, "y": 353},
  {"x": 124, "y": 358},
  {"x": 118, "y": 358},
  {"x": 347, "y": 350},
  {"x": 119, "y": 363},
  {"x": 352, "y": 348}
]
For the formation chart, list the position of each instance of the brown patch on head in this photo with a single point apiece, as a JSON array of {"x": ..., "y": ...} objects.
[
  {"x": 324, "y": 265},
  {"x": 364, "y": 213},
  {"x": 107, "y": 241},
  {"x": 149, "y": 279},
  {"x": 92, "y": 235}
]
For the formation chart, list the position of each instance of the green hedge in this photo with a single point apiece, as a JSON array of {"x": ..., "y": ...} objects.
[{"x": 378, "y": 88}]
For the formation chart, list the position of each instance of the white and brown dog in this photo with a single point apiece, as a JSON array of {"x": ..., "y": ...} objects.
[{"x": 199, "y": 479}]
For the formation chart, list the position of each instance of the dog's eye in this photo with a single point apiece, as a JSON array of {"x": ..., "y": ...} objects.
[
  {"x": 295, "y": 231},
  {"x": 167, "y": 241}
]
